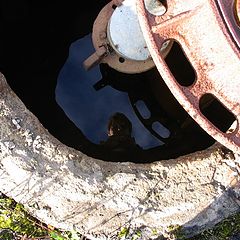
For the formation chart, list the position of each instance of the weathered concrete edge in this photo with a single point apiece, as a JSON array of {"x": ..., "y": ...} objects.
[{"x": 67, "y": 189}]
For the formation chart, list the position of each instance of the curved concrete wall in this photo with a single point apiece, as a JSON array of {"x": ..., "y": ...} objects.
[{"x": 70, "y": 190}]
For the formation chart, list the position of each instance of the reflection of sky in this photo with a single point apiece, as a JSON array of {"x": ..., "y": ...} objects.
[{"x": 90, "y": 109}]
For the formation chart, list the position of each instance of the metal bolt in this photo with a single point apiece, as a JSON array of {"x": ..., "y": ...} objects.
[
  {"x": 16, "y": 122},
  {"x": 102, "y": 35}
]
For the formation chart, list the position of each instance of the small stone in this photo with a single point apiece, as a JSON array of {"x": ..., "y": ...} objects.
[
  {"x": 37, "y": 143},
  {"x": 28, "y": 131},
  {"x": 10, "y": 145},
  {"x": 16, "y": 122}
]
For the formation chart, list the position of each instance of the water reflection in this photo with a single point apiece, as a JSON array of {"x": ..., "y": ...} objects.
[{"x": 90, "y": 109}]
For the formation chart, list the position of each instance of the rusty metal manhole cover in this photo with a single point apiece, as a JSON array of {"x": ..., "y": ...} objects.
[{"x": 208, "y": 32}]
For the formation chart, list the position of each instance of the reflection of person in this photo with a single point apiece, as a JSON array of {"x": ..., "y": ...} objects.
[{"x": 120, "y": 135}]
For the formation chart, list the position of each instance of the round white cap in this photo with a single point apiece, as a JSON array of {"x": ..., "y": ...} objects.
[{"x": 125, "y": 34}]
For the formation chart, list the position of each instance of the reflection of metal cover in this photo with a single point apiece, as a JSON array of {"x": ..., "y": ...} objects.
[{"x": 209, "y": 37}]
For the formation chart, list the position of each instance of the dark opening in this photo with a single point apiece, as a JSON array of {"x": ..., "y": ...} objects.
[
  {"x": 215, "y": 112},
  {"x": 181, "y": 68},
  {"x": 33, "y": 52},
  {"x": 121, "y": 60}
]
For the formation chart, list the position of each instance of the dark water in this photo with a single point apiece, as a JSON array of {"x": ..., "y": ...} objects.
[{"x": 90, "y": 109}]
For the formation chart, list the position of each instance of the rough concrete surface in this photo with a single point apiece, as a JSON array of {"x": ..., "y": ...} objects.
[{"x": 70, "y": 190}]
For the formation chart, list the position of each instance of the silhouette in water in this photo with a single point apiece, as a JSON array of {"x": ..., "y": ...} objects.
[{"x": 120, "y": 140}]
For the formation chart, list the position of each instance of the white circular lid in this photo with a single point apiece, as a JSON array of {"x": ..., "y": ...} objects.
[{"x": 125, "y": 34}]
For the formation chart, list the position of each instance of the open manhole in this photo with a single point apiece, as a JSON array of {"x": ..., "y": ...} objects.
[
  {"x": 36, "y": 61},
  {"x": 47, "y": 56}
]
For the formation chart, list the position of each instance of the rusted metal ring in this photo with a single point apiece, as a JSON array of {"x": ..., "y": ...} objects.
[{"x": 210, "y": 41}]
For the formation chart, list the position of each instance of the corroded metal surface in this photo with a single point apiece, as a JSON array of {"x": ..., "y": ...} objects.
[
  {"x": 95, "y": 58},
  {"x": 113, "y": 59},
  {"x": 211, "y": 45}
]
